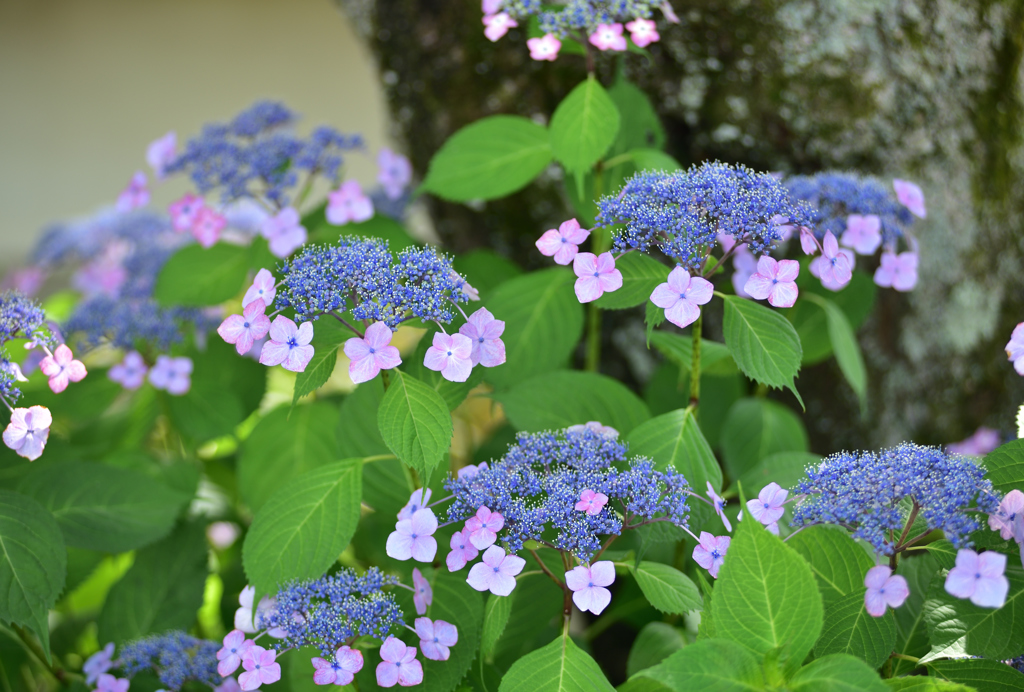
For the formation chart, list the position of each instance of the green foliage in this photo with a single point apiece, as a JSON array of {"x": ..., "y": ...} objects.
[
  {"x": 755, "y": 429},
  {"x": 357, "y": 431},
  {"x": 300, "y": 531},
  {"x": 784, "y": 468},
  {"x": 836, "y": 673},
  {"x": 845, "y": 346},
  {"x": 641, "y": 128},
  {"x": 377, "y": 226},
  {"x": 911, "y": 630},
  {"x": 849, "y": 629},
  {"x": 674, "y": 439},
  {"x": 856, "y": 302},
  {"x": 666, "y": 588},
  {"x": 1005, "y": 466},
  {"x": 921, "y": 683},
  {"x": 488, "y": 159},
  {"x": 485, "y": 269},
  {"x": 415, "y": 423},
  {"x": 463, "y": 607},
  {"x": 709, "y": 664},
  {"x": 715, "y": 358},
  {"x": 984, "y": 675},
  {"x": 583, "y": 126},
  {"x": 328, "y": 335},
  {"x": 763, "y": 343},
  {"x": 837, "y": 562},
  {"x": 561, "y": 666},
  {"x": 656, "y": 642},
  {"x": 957, "y": 627},
  {"x": 198, "y": 276},
  {"x": 496, "y": 613},
  {"x": 640, "y": 276}
]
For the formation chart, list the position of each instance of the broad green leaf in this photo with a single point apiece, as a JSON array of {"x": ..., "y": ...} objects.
[
  {"x": 675, "y": 439},
  {"x": 491, "y": 158},
  {"x": 464, "y": 608},
  {"x": 943, "y": 552},
  {"x": 33, "y": 566},
  {"x": 668, "y": 389},
  {"x": 911, "y": 630},
  {"x": 849, "y": 629},
  {"x": 286, "y": 443},
  {"x": 485, "y": 269},
  {"x": 653, "y": 160},
  {"x": 837, "y": 562},
  {"x": 922, "y": 683},
  {"x": 357, "y": 432},
  {"x": 583, "y": 126},
  {"x": 667, "y": 589},
  {"x": 763, "y": 343},
  {"x": 755, "y": 429},
  {"x": 1005, "y": 466},
  {"x": 958, "y": 628},
  {"x": 709, "y": 664},
  {"x": 219, "y": 364},
  {"x": 386, "y": 485},
  {"x": 571, "y": 397},
  {"x": 415, "y": 423},
  {"x": 640, "y": 276},
  {"x": 378, "y": 226},
  {"x": 656, "y": 642},
  {"x": 845, "y": 346},
  {"x": 543, "y": 323},
  {"x": 207, "y": 411},
  {"x": 856, "y": 301},
  {"x": 765, "y": 597},
  {"x": 496, "y": 614},
  {"x": 300, "y": 531},
  {"x": 162, "y": 590},
  {"x": 99, "y": 507},
  {"x": 558, "y": 667},
  {"x": 453, "y": 393},
  {"x": 984, "y": 675},
  {"x": 641, "y": 127},
  {"x": 531, "y": 625},
  {"x": 784, "y": 468},
  {"x": 836, "y": 673},
  {"x": 198, "y": 276},
  {"x": 328, "y": 335},
  {"x": 715, "y": 358}
]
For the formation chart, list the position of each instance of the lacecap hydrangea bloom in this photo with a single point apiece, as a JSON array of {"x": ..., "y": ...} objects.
[{"x": 175, "y": 657}]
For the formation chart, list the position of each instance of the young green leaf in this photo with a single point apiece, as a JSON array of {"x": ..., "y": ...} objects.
[
  {"x": 845, "y": 346},
  {"x": 763, "y": 343},
  {"x": 561, "y": 666},
  {"x": 980, "y": 674},
  {"x": 837, "y": 673},
  {"x": 849, "y": 629},
  {"x": 328, "y": 335},
  {"x": 1005, "y": 466},
  {"x": 656, "y": 642},
  {"x": 837, "y": 562},
  {"x": 640, "y": 276},
  {"x": 709, "y": 664},
  {"x": 756, "y": 428},
  {"x": 198, "y": 276},
  {"x": 675, "y": 439},
  {"x": 415, "y": 423},
  {"x": 667, "y": 589},
  {"x": 496, "y": 614},
  {"x": 583, "y": 126}
]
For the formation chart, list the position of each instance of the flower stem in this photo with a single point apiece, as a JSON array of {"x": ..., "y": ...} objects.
[
  {"x": 695, "y": 363},
  {"x": 593, "y": 358}
]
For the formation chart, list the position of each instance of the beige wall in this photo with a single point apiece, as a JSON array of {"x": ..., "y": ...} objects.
[{"x": 85, "y": 85}]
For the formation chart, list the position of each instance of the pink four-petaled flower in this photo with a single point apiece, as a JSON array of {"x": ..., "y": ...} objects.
[
  {"x": 863, "y": 233},
  {"x": 681, "y": 297},
  {"x": 498, "y": 25},
  {"x": 775, "y": 281},
  {"x": 835, "y": 266},
  {"x": 339, "y": 670},
  {"x": 108, "y": 683},
  {"x": 910, "y": 196},
  {"x": 562, "y": 243},
  {"x": 289, "y": 345},
  {"x": 496, "y": 573},
  {"x": 28, "y": 431},
  {"x": 591, "y": 502},
  {"x": 284, "y": 232},
  {"x": 245, "y": 329},
  {"x": 135, "y": 195},
  {"x": 62, "y": 368},
  {"x": 435, "y": 638},
  {"x": 588, "y": 585},
  {"x": 643, "y": 32},
  {"x": 207, "y": 226},
  {"x": 423, "y": 594},
  {"x": 260, "y": 668},
  {"x": 883, "y": 589},
  {"x": 897, "y": 271},
  {"x": 597, "y": 275},
  {"x": 414, "y": 537},
  {"x": 372, "y": 353},
  {"x": 710, "y": 552},
  {"x": 451, "y": 355},
  {"x": 545, "y": 47},
  {"x": 608, "y": 37},
  {"x": 483, "y": 527},
  {"x": 979, "y": 578},
  {"x": 399, "y": 665},
  {"x": 768, "y": 507},
  {"x": 348, "y": 204},
  {"x": 230, "y": 655},
  {"x": 184, "y": 212},
  {"x": 394, "y": 172},
  {"x": 719, "y": 505},
  {"x": 462, "y": 551},
  {"x": 484, "y": 332},
  {"x": 263, "y": 288},
  {"x": 161, "y": 152}
]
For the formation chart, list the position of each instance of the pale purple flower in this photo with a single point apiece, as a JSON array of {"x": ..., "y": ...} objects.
[
  {"x": 496, "y": 573},
  {"x": 681, "y": 297},
  {"x": 340, "y": 670},
  {"x": 435, "y": 638},
  {"x": 207, "y": 226},
  {"x": 399, "y": 665},
  {"x": 230, "y": 655},
  {"x": 135, "y": 195},
  {"x": 419, "y": 499},
  {"x": 244, "y": 619},
  {"x": 173, "y": 375},
  {"x": 222, "y": 534},
  {"x": 498, "y": 25},
  {"x": 263, "y": 288},
  {"x": 245, "y": 329},
  {"x": 768, "y": 507},
  {"x": 100, "y": 277},
  {"x": 184, "y": 212},
  {"x": 490, "y": 6},
  {"x": 99, "y": 663},
  {"x": 910, "y": 196},
  {"x": 62, "y": 368},
  {"x": 775, "y": 281},
  {"x": 348, "y": 204},
  {"x": 883, "y": 589},
  {"x": 289, "y": 345},
  {"x": 423, "y": 595},
  {"x": 608, "y": 37},
  {"x": 983, "y": 441},
  {"x": 744, "y": 265},
  {"x": 587, "y": 585},
  {"x": 229, "y": 685},
  {"x": 371, "y": 354},
  {"x": 782, "y": 226},
  {"x": 773, "y": 528},
  {"x": 284, "y": 232},
  {"x": 897, "y": 271},
  {"x": 108, "y": 683},
  {"x": 710, "y": 552},
  {"x": 544, "y": 48},
  {"x": 807, "y": 241},
  {"x": 28, "y": 431},
  {"x": 460, "y": 284},
  {"x": 470, "y": 470},
  {"x": 979, "y": 578},
  {"x": 260, "y": 668},
  {"x": 594, "y": 426},
  {"x": 394, "y": 172},
  {"x": 451, "y": 355},
  {"x": 1010, "y": 508},
  {"x": 563, "y": 244},
  {"x": 597, "y": 275},
  {"x": 835, "y": 266},
  {"x": 462, "y": 551},
  {"x": 27, "y": 280},
  {"x": 484, "y": 332},
  {"x": 863, "y": 233},
  {"x": 670, "y": 14},
  {"x": 719, "y": 505},
  {"x": 414, "y": 537},
  {"x": 483, "y": 527},
  {"x": 643, "y": 32},
  {"x": 161, "y": 152},
  {"x": 591, "y": 502},
  {"x": 1015, "y": 348}
]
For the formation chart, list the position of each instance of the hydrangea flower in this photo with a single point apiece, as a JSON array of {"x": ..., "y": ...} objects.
[
  {"x": 744, "y": 266},
  {"x": 597, "y": 275},
  {"x": 1015, "y": 348},
  {"x": 462, "y": 551},
  {"x": 1010, "y": 507},
  {"x": 498, "y": 25},
  {"x": 496, "y": 573},
  {"x": 184, "y": 212},
  {"x": 775, "y": 281},
  {"x": 175, "y": 658},
  {"x": 979, "y": 578},
  {"x": 244, "y": 619},
  {"x": 483, "y": 528},
  {"x": 883, "y": 589},
  {"x": 414, "y": 537},
  {"x": 863, "y": 233},
  {"x": 340, "y": 669},
  {"x": 808, "y": 243},
  {"x": 207, "y": 226},
  {"x": 719, "y": 504},
  {"x": 419, "y": 499},
  {"x": 563, "y": 244},
  {"x": 710, "y": 552},
  {"x": 643, "y": 32},
  {"x": 608, "y": 37},
  {"x": 436, "y": 637},
  {"x": 588, "y": 586},
  {"x": 135, "y": 195},
  {"x": 245, "y": 329},
  {"x": 161, "y": 152},
  {"x": 62, "y": 368},
  {"x": 835, "y": 268},
  {"x": 470, "y": 470},
  {"x": 260, "y": 668},
  {"x": 289, "y": 345},
  {"x": 983, "y": 441},
  {"x": 423, "y": 595},
  {"x": 173, "y": 375},
  {"x": 230, "y": 654},
  {"x": 591, "y": 502},
  {"x": 897, "y": 271},
  {"x": 263, "y": 288},
  {"x": 372, "y": 353},
  {"x": 399, "y": 665},
  {"x": 544, "y": 48},
  {"x": 99, "y": 663},
  {"x": 451, "y": 355},
  {"x": 284, "y": 232},
  {"x": 768, "y": 507},
  {"x": 484, "y": 332},
  {"x": 681, "y": 296},
  {"x": 910, "y": 196},
  {"x": 593, "y": 426},
  {"x": 394, "y": 173},
  {"x": 108, "y": 683},
  {"x": 348, "y": 204}
]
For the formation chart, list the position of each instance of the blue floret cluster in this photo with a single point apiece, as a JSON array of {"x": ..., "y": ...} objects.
[
  {"x": 20, "y": 318},
  {"x": 176, "y": 658},
  {"x": 569, "y": 18}
]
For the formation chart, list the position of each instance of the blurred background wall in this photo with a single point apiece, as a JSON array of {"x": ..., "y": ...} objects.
[{"x": 85, "y": 86}]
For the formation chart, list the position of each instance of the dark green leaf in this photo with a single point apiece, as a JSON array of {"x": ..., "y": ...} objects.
[
  {"x": 485, "y": 269},
  {"x": 715, "y": 358},
  {"x": 845, "y": 346},
  {"x": 709, "y": 664},
  {"x": 415, "y": 423},
  {"x": 667, "y": 589},
  {"x": 837, "y": 562},
  {"x": 763, "y": 343},
  {"x": 849, "y": 629},
  {"x": 674, "y": 439},
  {"x": 558, "y": 667},
  {"x": 754, "y": 430},
  {"x": 911, "y": 630},
  {"x": 496, "y": 614},
  {"x": 464, "y": 608},
  {"x": 357, "y": 432},
  {"x": 957, "y": 627},
  {"x": 656, "y": 642},
  {"x": 1005, "y": 466},
  {"x": 856, "y": 301},
  {"x": 198, "y": 276},
  {"x": 784, "y": 468}
]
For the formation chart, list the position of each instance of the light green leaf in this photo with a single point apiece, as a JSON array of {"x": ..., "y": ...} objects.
[
  {"x": 709, "y": 664},
  {"x": 957, "y": 628},
  {"x": 653, "y": 160},
  {"x": 641, "y": 127},
  {"x": 464, "y": 608},
  {"x": 99, "y": 507},
  {"x": 640, "y": 276},
  {"x": 837, "y": 562},
  {"x": 845, "y": 346},
  {"x": 377, "y": 226},
  {"x": 1005, "y": 466},
  {"x": 198, "y": 276},
  {"x": 656, "y": 642},
  {"x": 667, "y": 589},
  {"x": 415, "y": 423},
  {"x": 300, "y": 531},
  {"x": 765, "y": 597},
  {"x": 763, "y": 343},
  {"x": 207, "y": 411},
  {"x": 921, "y": 683},
  {"x": 675, "y": 439},
  {"x": 856, "y": 301},
  {"x": 755, "y": 429},
  {"x": 836, "y": 673},
  {"x": 715, "y": 358},
  {"x": 784, "y": 468},
  {"x": 485, "y": 269},
  {"x": 490, "y": 158},
  {"x": 561, "y": 666},
  {"x": 849, "y": 629},
  {"x": 911, "y": 630},
  {"x": 583, "y": 126},
  {"x": 328, "y": 335},
  {"x": 286, "y": 443},
  {"x": 496, "y": 613},
  {"x": 984, "y": 675},
  {"x": 357, "y": 432},
  {"x": 571, "y": 397}
]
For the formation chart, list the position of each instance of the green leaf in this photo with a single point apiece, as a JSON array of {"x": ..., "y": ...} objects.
[
  {"x": 911, "y": 630},
  {"x": 849, "y": 629},
  {"x": 286, "y": 443},
  {"x": 837, "y": 562},
  {"x": 377, "y": 226},
  {"x": 532, "y": 625},
  {"x": 763, "y": 343},
  {"x": 921, "y": 683},
  {"x": 453, "y": 393},
  {"x": 162, "y": 590},
  {"x": 34, "y": 563},
  {"x": 583, "y": 126},
  {"x": 386, "y": 485},
  {"x": 300, "y": 531},
  {"x": 491, "y": 158},
  {"x": 485, "y": 269},
  {"x": 675, "y": 439},
  {"x": 667, "y": 589},
  {"x": 206, "y": 411},
  {"x": 328, "y": 335},
  {"x": 561, "y": 666},
  {"x": 653, "y": 160},
  {"x": 985, "y": 675},
  {"x": 99, "y": 507},
  {"x": 845, "y": 346},
  {"x": 415, "y": 423},
  {"x": 715, "y": 358},
  {"x": 856, "y": 301},
  {"x": 1005, "y": 466},
  {"x": 958, "y": 628},
  {"x": 464, "y": 608},
  {"x": 943, "y": 552},
  {"x": 496, "y": 614},
  {"x": 656, "y": 642},
  {"x": 755, "y": 429},
  {"x": 543, "y": 323},
  {"x": 571, "y": 397},
  {"x": 709, "y": 664},
  {"x": 836, "y": 673},
  {"x": 198, "y": 276},
  {"x": 784, "y": 468},
  {"x": 641, "y": 127},
  {"x": 640, "y": 276},
  {"x": 765, "y": 597},
  {"x": 653, "y": 316},
  {"x": 357, "y": 432}
]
